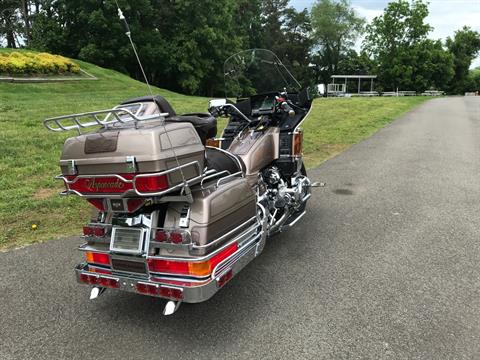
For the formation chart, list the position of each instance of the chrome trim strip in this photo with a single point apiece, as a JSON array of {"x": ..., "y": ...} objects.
[
  {"x": 226, "y": 235},
  {"x": 228, "y": 177},
  {"x": 213, "y": 176},
  {"x": 304, "y": 118}
]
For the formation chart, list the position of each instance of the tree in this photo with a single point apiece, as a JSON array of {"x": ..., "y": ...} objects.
[
  {"x": 394, "y": 37},
  {"x": 473, "y": 81},
  {"x": 335, "y": 27},
  {"x": 294, "y": 51},
  {"x": 10, "y": 22},
  {"x": 406, "y": 59},
  {"x": 355, "y": 64},
  {"x": 205, "y": 35},
  {"x": 464, "y": 47}
]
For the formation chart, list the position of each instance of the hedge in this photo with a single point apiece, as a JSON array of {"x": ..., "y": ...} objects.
[{"x": 15, "y": 62}]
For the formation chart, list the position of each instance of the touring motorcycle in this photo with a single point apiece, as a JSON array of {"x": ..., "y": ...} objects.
[{"x": 177, "y": 212}]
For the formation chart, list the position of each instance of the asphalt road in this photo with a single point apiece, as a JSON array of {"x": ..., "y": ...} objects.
[{"x": 385, "y": 265}]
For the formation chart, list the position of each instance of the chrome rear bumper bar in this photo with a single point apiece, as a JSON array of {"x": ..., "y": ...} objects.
[{"x": 193, "y": 291}]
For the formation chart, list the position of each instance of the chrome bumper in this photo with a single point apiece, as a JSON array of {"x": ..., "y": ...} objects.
[{"x": 191, "y": 292}]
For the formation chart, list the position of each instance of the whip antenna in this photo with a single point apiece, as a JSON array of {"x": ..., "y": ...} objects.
[{"x": 129, "y": 35}]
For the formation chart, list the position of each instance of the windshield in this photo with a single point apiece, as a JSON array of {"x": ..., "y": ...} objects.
[{"x": 256, "y": 71}]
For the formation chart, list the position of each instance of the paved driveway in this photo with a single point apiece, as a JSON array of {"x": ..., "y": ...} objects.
[{"x": 386, "y": 265}]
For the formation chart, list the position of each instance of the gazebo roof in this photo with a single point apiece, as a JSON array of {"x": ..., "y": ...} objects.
[{"x": 354, "y": 76}]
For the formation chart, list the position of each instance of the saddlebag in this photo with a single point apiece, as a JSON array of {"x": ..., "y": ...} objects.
[{"x": 226, "y": 209}]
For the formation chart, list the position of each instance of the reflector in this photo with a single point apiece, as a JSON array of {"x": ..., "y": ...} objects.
[{"x": 225, "y": 278}]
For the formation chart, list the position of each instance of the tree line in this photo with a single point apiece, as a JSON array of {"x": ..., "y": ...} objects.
[{"x": 183, "y": 43}]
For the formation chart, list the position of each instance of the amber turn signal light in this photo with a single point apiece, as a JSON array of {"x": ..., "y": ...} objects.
[
  {"x": 297, "y": 145},
  {"x": 213, "y": 143}
]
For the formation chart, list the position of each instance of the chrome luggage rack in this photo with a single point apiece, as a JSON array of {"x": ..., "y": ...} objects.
[{"x": 120, "y": 114}]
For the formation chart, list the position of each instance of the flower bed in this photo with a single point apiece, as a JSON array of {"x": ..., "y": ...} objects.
[{"x": 29, "y": 63}]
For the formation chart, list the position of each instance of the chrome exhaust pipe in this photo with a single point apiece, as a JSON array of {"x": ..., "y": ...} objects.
[
  {"x": 170, "y": 307},
  {"x": 96, "y": 292}
]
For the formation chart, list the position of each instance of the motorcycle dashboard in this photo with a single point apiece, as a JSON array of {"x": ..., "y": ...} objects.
[{"x": 262, "y": 104}]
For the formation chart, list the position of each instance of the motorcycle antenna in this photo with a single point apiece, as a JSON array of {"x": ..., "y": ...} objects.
[{"x": 129, "y": 35}]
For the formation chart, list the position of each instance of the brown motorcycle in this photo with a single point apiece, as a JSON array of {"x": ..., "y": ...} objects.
[{"x": 178, "y": 213}]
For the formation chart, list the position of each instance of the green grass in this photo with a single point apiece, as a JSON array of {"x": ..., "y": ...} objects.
[
  {"x": 29, "y": 153},
  {"x": 337, "y": 123}
]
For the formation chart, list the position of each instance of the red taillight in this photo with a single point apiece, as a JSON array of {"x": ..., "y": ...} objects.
[
  {"x": 200, "y": 268},
  {"x": 218, "y": 258},
  {"x": 171, "y": 293},
  {"x": 108, "y": 282},
  {"x": 88, "y": 231},
  {"x": 166, "y": 266},
  {"x": 100, "y": 281},
  {"x": 153, "y": 183},
  {"x": 98, "y": 231},
  {"x": 97, "y": 258},
  {"x": 147, "y": 289},
  {"x": 176, "y": 238},
  {"x": 134, "y": 204},
  {"x": 98, "y": 203},
  {"x": 161, "y": 236},
  {"x": 156, "y": 290}
]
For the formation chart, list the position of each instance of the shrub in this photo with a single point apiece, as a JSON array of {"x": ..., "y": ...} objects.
[{"x": 14, "y": 63}]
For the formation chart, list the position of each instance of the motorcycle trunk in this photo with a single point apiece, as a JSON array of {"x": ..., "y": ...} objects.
[{"x": 218, "y": 207}]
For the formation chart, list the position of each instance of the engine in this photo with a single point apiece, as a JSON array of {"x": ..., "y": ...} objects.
[{"x": 282, "y": 197}]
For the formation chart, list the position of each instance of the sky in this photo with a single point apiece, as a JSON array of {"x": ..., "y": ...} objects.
[{"x": 445, "y": 16}]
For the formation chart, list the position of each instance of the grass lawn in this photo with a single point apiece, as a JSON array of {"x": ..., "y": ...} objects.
[{"x": 29, "y": 153}]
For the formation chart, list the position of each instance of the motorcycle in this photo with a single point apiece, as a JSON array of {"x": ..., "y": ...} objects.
[{"x": 178, "y": 212}]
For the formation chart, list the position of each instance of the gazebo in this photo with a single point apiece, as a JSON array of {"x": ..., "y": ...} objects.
[{"x": 354, "y": 77}]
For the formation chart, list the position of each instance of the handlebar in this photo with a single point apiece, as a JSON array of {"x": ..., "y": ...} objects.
[
  {"x": 223, "y": 109},
  {"x": 287, "y": 108}
]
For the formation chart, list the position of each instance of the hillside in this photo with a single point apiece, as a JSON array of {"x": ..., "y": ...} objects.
[{"x": 29, "y": 156}]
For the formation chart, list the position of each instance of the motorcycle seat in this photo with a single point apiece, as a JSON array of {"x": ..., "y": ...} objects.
[
  {"x": 221, "y": 160},
  {"x": 204, "y": 123}
]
